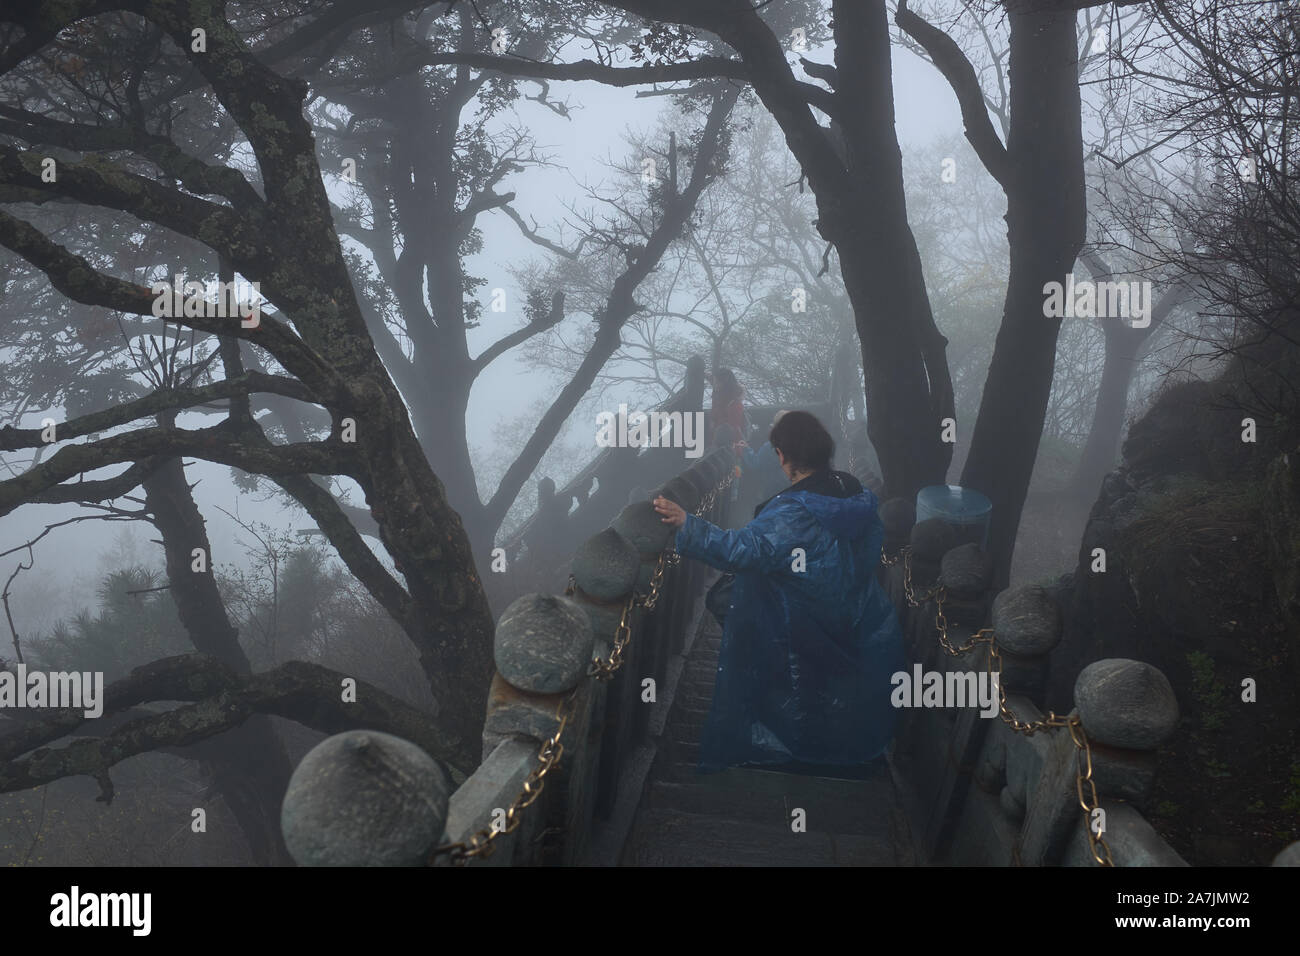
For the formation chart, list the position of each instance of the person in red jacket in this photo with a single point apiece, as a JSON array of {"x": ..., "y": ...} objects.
[{"x": 728, "y": 404}]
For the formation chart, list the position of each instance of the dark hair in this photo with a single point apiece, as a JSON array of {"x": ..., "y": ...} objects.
[
  {"x": 726, "y": 389},
  {"x": 804, "y": 442}
]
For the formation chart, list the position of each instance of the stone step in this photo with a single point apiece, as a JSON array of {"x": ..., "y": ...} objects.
[
  {"x": 663, "y": 837},
  {"x": 862, "y": 808},
  {"x": 698, "y": 670},
  {"x": 692, "y": 701},
  {"x": 687, "y": 727},
  {"x": 694, "y": 707},
  {"x": 743, "y": 817},
  {"x": 681, "y": 751},
  {"x": 701, "y": 679},
  {"x": 696, "y": 687}
]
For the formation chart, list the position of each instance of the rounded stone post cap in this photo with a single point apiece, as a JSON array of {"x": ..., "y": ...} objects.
[
  {"x": 683, "y": 492},
  {"x": 898, "y": 515},
  {"x": 643, "y": 528},
  {"x": 365, "y": 798},
  {"x": 699, "y": 479},
  {"x": 1026, "y": 621},
  {"x": 543, "y": 644},
  {"x": 932, "y": 539},
  {"x": 966, "y": 569},
  {"x": 605, "y": 565},
  {"x": 1126, "y": 703},
  {"x": 1290, "y": 856}
]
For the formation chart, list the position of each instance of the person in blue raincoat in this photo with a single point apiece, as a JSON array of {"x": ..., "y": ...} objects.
[{"x": 810, "y": 640}]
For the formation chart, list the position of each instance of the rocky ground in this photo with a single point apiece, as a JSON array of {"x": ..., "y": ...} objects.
[{"x": 1201, "y": 536}]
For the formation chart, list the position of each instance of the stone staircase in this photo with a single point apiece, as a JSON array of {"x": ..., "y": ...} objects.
[{"x": 743, "y": 817}]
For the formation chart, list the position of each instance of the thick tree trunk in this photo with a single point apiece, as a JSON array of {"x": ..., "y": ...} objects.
[
  {"x": 249, "y": 764},
  {"x": 903, "y": 414},
  {"x": 1045, "y": 228},
  {"x": 856, "y": 174},
  {"x": 438, "y": 408},
  {"x": 908, "y": 388}
]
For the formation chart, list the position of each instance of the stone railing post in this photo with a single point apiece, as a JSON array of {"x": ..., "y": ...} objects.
[
  {"x": 1027, "y": 626},
  {"x": 542, "y": 649},
  {"x": 1290, "y": 855},
  {"x": 369, "y": 798},
  {"x": 930, "y": 540},
  {"x": 606, "y": 569},
  {"x": 945, "y": 742},
  {"x": 1127, "y": 709},
  {"x": 365, "y": 798}
]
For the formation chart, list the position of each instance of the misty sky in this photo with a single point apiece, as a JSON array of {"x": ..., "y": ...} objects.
[{"x": 68, "y": 561}]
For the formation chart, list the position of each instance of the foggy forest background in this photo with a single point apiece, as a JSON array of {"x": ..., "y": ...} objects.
[{"x": 476, "y": 226}]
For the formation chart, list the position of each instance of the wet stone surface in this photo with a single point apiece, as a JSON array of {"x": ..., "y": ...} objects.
[
  {"x": 1027, "y": 621},
  {"x": 1126, "y": 703},
  {"x": 932, "y": 539},
  {"x": 966, "y": 569},
  {"x": 606, "y": 565},
  {"x": 543, "y": 643},
  {"x": 365, "y": 798}
]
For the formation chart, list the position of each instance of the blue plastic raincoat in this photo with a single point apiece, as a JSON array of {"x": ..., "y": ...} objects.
[{"x": 810, "y": 640}]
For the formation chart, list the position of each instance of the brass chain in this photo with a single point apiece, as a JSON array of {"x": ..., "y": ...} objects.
[
  {"x": 548, "y": 757},
  {"x": 605, "y": 670},
  {"x": 481, "y": 844},
  {"x": 1083, "y": 774},
  {"x": 912, "y": 599},
  {"x": 707, "y": 501}
]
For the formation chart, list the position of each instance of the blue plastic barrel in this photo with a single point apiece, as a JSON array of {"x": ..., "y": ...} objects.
[{"x": 965, "y": 509}]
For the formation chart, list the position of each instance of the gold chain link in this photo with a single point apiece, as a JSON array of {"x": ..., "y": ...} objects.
[
  {"x": 913, "y": 600},
  {"x": 548, "y": 756},
  {"x": 1083, "y": 774}
]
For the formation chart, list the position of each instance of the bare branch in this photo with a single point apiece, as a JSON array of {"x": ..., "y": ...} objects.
[
  {"x": 957, "y": 70},
  {"x": 299, "y": 691}
]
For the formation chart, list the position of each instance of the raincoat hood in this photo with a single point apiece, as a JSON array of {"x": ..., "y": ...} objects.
[{"x": 852, "y": 517}]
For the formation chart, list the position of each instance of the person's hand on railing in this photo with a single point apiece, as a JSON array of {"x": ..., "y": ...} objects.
[{"x": 673, "y": 513}]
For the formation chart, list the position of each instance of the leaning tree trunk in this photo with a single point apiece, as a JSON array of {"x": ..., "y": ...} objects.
[
  {"x": 1046, "y": 211},
  {"x": 249, "y": 764},
  {"x": 1123, "y": 346}
]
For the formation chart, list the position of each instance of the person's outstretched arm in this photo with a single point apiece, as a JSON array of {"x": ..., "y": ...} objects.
[{"x": 762, "y": 545}]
